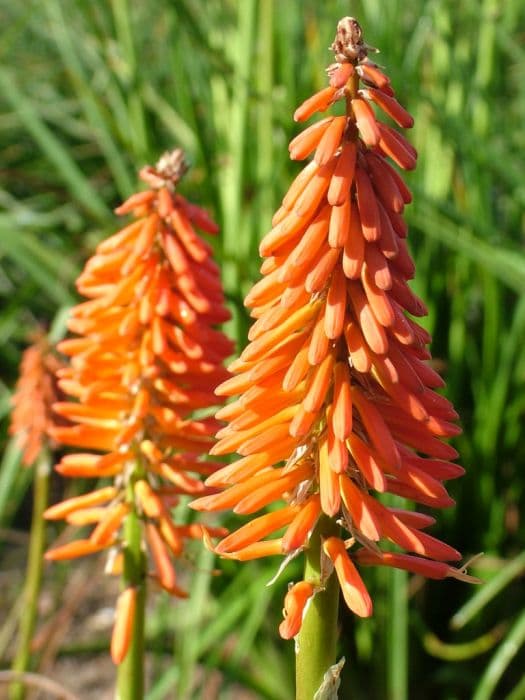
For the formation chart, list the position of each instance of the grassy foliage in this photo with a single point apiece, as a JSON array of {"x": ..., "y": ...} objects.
[{"x": 92, "y": 90}]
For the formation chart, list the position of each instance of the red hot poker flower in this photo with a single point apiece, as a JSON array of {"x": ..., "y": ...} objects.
[
  {"x": 147, "y": 356},
  {"x": 334, "y": 385},
  {"x": 36, "y": 391}
]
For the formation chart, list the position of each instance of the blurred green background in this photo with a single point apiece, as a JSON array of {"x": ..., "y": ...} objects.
[{"x": 90, "y": 90}]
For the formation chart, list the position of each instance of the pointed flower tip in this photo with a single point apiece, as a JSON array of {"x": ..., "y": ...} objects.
[
  {"x": 349, "y": 44},
  {"x": 167, "y": 172}
]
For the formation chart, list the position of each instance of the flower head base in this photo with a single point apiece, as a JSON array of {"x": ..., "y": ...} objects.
[
  {"x": 147, "y": 356},
  {"x": 334, "y": 384},
  {"x": 36, "y": 391}
]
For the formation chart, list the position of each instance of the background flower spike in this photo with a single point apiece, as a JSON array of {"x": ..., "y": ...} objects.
[{"x": 148, "y": 356}]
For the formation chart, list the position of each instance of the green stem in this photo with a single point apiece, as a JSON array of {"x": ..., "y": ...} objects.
[
  {"x": 318, "y": 635},
  {"x": 397, "y": 653},
  {"x": 397, "y": 629},
  {"x": 33, "y": 572},
  {"x": 130, "y": 680}
]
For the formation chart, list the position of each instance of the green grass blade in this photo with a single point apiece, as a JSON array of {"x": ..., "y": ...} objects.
[{"x": 58, "y": 155}]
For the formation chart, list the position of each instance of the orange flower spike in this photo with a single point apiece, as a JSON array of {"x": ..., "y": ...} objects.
[
  {"x": 35, "y": 393},
  {"x": 354, "y": 592},
  {"x": 146, "y": 358},
  {"x": 295, "y": 604},
  {"x": 314, "y": 191},
  {"x": 123, "y": 627},
  {"x": 335, "y": 400},
  {"x": 267, "y": 493},
  {"x": 297, "y": 188}
]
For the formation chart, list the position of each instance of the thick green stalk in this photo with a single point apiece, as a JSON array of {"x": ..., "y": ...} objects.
[
  {"x": 130, "y": 681},
  {"x": 397, "y": 653},
  {"x": 397, "y": 626},
  {"x": 318, "y": 636},
  {"x": 33, "y": 572}
]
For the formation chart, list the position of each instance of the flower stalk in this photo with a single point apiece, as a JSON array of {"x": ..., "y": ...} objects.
[
  {"x": 317, "y": 640},
  {"x": 31, "y": 425},
  {"x": 130, "y": 676},
  {"x": 31, "y": 592}
]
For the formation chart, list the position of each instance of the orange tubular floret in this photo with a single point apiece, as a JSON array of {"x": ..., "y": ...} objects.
[
  {"x": 342, "y": 416},
  {"x": 330, "y": 141},
  {"x": 300, "y": 529},
  {"x": 354, "y": 592},
  {"x": 341, "y": 182},
  {"x": 335, "y": 305},
  {"x": 368, "y": 209},
  {"x": 161, "y": 558},
  {"x": 354, "y": 247},
  {"x": 303, "y": 144},
  {"x": 359, "y": 506},
  {"x": 366, "y": 122},
  {"x": 107, "y": 527},
  {"x": 391, "y": 106},
  {"x": 95, "y": 498},
  {"x": 395, "y": 149},
  {"x": 256, "y": 529},
  {"x": 123, "y": 627},
  {"x": 317, "y": 103},
  {"x": 339, "y": 225},
  {"x": 295, "y": 603},
  {"x": 328, "y": 482},
  {"x": 73, "y": 550}
]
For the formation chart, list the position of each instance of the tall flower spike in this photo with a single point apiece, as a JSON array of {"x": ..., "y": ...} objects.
[
  {"x": 147, "y": 356},
  {"x": 334, "y": 384},
  {"x": 36, "y": 391}
]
